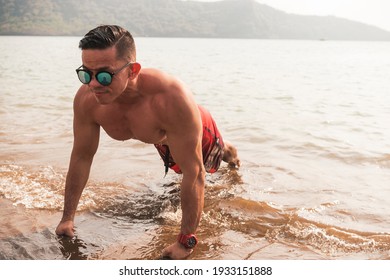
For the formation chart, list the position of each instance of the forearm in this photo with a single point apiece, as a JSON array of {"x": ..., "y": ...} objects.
[
  {"x": 192, "y": 202},
  {"x": 76, "y": 180}
]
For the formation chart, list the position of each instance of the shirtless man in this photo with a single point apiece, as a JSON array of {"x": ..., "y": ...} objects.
[{"x": 148, "y": 105}]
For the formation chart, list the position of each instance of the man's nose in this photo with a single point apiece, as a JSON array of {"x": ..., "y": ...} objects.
[{"x": 94, "y": 83}]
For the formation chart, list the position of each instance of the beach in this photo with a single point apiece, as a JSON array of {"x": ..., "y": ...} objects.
[{"x": 309, "y": 119}]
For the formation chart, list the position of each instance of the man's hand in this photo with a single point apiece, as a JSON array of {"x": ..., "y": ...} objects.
[
  {"x": 65, "y": 228},
  {"x": 176, "y": 251}
]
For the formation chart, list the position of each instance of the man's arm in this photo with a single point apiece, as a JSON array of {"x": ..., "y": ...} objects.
[
  {"x": 86, "y": 141},
  {"x": 184, "y": 136},
  {"x": 186, "y": 149}
]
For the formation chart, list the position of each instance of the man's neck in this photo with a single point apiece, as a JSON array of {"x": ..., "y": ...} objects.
[{"x": 132, "y": 93}]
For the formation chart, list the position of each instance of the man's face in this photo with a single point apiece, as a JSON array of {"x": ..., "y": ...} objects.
[{"x": 106, "y": 60}]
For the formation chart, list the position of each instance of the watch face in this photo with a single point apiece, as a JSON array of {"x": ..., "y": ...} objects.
[
  {"x": 191, "y": 242},
  {"x": 187, "y": 240}
]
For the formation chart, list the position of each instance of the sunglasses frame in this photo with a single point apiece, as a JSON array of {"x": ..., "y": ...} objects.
[{"x": 90, "y": 73}]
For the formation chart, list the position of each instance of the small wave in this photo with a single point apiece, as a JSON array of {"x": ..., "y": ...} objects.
[
  {"x": 138, "y": 207},
  {"x": 351, "y": 157},
  {"x": 39, "y": 189},
  {"x": 264, "y": 220},
  {"x": 340, "y": 152},
  {"x": 43, "y": 188},
  {"x": 331, "y": 240}
]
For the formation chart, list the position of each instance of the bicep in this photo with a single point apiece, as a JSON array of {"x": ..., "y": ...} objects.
[
  {"x": 85, "y": 132},
  {"x": 86, "y": 138},
  {"x": 180, "y": 118},
  {"x": 185, "y": 140}
]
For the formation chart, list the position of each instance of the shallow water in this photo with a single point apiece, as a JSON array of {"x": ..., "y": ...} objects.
[{"x": 310, "y": 120}]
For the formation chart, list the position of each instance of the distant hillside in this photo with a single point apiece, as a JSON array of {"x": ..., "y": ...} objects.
[{"x": 174, "y": 18}]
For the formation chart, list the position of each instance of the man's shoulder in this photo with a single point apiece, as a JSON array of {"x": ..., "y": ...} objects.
[
  {"x": 84, "y": 102},
  {"x": 154, "y": 72},
  {"x": 162, "y": 87},
  {"x": 159, "y": 79},
  {"x": 84, "y": 96},
  {"x": 172, "y": 101}
]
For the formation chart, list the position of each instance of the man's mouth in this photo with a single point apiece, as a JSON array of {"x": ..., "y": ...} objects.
[{"x": 99, "y": 92}]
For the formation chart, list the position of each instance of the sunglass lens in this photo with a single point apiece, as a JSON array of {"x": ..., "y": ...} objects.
[
  {"x": 84, "y": 77},
  {"x": 104, "y": 78}
]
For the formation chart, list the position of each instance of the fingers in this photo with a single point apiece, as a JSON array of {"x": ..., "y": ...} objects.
[
  {"x": 70, "y": 232},
  {"x": 167, "y": 253},
  {"x": 66, "y": 233},
  {"x": 176, "y": 252},
  {"x": 66, "y": 228}
]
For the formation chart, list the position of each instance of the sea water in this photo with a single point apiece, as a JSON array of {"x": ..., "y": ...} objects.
[{"x": 310, "y": 120}]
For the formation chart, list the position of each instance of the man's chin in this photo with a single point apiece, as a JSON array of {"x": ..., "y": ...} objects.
[{"x": 103, "y": 99}]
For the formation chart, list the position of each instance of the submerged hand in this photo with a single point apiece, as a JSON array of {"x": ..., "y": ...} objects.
[
  {"x": 65, "y": 228},
  {"x": 176, "y": 251}
]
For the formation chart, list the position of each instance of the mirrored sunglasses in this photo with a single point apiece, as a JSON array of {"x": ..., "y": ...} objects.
[{"x": 103, "y": 77}]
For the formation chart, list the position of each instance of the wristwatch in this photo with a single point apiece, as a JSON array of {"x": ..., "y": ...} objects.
[{"x": 187, "y": 240}]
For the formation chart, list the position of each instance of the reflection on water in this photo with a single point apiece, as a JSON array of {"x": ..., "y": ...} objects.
[{"x": 72, "y": 248}]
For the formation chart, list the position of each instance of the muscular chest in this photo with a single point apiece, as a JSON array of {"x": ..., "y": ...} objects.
[{"x": 124, "y": 124}]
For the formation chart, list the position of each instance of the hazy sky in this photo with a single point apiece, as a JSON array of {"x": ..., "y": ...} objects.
[{"x": 374, "y": 12}]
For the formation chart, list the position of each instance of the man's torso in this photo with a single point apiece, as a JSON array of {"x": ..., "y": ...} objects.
[
  {"x": 135, "y": 121},
  {"x": 143, "y": 117}
]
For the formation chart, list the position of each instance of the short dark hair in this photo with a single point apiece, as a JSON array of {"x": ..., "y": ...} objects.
[{"x": 106, "y": 36}]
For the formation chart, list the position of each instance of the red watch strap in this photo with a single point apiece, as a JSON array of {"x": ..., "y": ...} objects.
[{"x": 185, "y": 238}]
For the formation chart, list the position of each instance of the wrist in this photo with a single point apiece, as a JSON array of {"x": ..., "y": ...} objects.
[
  {"x": 67, "y": 219},
  {"x": 189, "y": 241}
]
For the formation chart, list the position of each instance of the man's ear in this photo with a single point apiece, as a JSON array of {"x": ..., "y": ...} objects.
[{"x": 135, "y": 68}]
